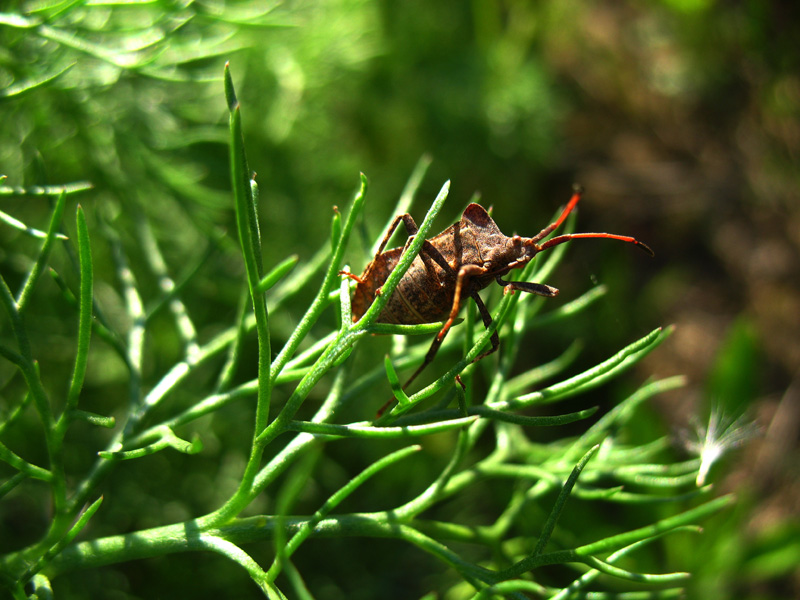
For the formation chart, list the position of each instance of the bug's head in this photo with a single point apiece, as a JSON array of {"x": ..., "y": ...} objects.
[
  {"x": 517, "y": 252},
  {"x": 500, "y": 253}
]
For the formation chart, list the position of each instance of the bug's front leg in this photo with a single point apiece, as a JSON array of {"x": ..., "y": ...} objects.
[
  {"x": 462, "y": 278},
  {"x": 541, "y": 289},
  {"x": 487, "y": 322}
]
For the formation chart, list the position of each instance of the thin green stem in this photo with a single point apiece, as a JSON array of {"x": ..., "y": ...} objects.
[
  {"x": 593, "y": 377},
  {"x": 44, "y": 253},
  {"x": 335, "y": 499},
  {"x": 24, "y": 361},
  {"x": 244, "y": 192},
  {"x": 366, "y": 430},
  {"x": 152, "y": 253},
  {"x": 561, "y": 501},
  {"x": 236, "y": 554},
  {"x": 321, "y": 299},
  {"x": 350, "y": 333},
  {"x": 134, "y": 307},
  {"x": 278, "y": 272},
  {"x": 617, "y": 542},
  {"x": 62, "y": 543},
  {"x": 406, "y": 198},
  {"x": 84, "y": 316},
  {"x": 20, "y": 464},
  {"x": 228, "y": 371}
]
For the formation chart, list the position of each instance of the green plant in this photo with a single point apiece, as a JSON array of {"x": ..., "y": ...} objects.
[{"x": 487, "y": 437}]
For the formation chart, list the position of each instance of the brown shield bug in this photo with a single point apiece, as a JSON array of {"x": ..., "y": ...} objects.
[{"x": 455, "y": 265}]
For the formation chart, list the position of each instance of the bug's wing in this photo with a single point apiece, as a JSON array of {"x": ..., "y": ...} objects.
[
  {"x": 373, "y": 278},
  {"x": 479, "y": 219},
  {"x": 483, "y": 239}
]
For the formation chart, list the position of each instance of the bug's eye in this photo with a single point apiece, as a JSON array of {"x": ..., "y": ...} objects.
[
  {"x": 487, "y": 265},
  {"x": 514, "y": 243}
]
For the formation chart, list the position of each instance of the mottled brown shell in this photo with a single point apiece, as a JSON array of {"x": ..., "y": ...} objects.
[{"x": 425, "y": 293}]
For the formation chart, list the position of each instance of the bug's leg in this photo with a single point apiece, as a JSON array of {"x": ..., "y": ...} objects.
[
  {"x": 429, "y": 356},
  {"x": 428, "y": 252},
  {"x": 487, "y": 322},
  {"x": 541, "y": 289},
  {"x": 464, "y": 273},
  {"x": 428, "y": 360},
  {"x": 352, "y": 276},
  {"x": 411, "y": 229}
]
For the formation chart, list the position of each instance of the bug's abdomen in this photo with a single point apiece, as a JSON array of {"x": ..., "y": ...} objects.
[{"x": 419, "y": 298}]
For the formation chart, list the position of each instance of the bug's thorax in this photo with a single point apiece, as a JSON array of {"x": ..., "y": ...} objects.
[
  {"x": 514, "y": 254},
  {"x": 497, "y": 253}
]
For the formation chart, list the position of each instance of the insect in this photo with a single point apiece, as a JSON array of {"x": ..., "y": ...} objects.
[{"x": 454, "y": 266}]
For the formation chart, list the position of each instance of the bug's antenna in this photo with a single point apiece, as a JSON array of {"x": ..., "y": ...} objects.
[
  {"x": 576, "y": 196},
  {"x": 577, "y": 191},
  {"x": 611, "y": 236}
]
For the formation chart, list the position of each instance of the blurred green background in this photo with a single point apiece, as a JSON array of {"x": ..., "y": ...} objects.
[{"x": 681, "y": 118}]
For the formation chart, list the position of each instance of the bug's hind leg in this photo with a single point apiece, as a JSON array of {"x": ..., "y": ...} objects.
[
  {"x": 429, "y": 254},
  {"x": 462, "y": 279},
  {"x": 410, "y": 225},
  {"x": 487, "y": 322}
]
